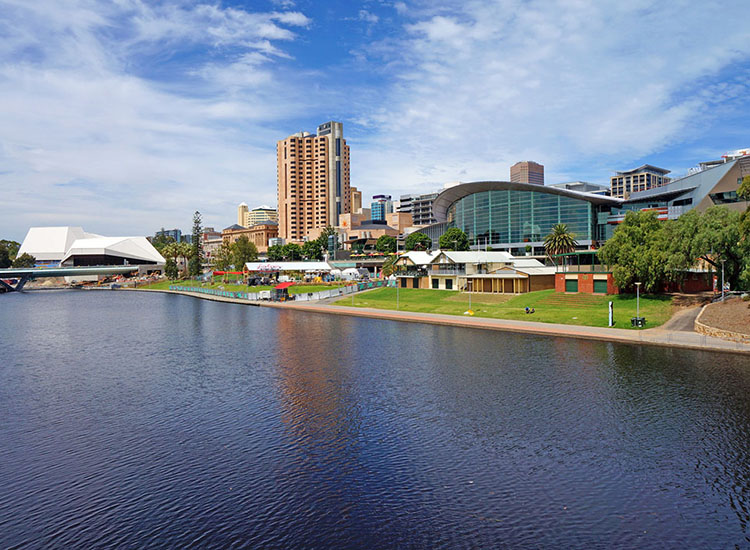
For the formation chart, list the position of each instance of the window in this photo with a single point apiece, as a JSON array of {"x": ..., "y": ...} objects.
[
  {"x": 725, "y": 198},
  {"x": 449, "y": 284},
  {"x": 436, "y": 283}
]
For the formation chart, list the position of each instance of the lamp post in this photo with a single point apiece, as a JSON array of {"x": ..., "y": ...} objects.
[
  {"x": 722, "y": 280},
  {"x": 638, "y": 300}
]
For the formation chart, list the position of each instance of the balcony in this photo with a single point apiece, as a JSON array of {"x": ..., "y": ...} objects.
[{"x": 448, "y": 271}]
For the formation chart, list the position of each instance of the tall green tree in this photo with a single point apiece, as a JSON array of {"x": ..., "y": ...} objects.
[
  {"x": 559, "y": 241},
  {"x": 24, "y": 260},
  {"x": 454, "y": 239},
  {"x": 184, "y": 251},
  {"x": 243, "y": 251},
  {"x": 11, "y": 247},
  {"x": 714, "y": 236},
  {"x": 222, "y": 260},
  {"x": 312, "y": 250},
  {"x": 275, "y": 253},
  {"x": 744, "y": 230},
  {"x": 386, "y": 244},
  {"x": 195, "y": 266},
  {"x": 292, "y": 252},
  {"x": 170, "y": 269},
  {"x": 417, "y": 241},
  {"x": 635, "y": 252}
]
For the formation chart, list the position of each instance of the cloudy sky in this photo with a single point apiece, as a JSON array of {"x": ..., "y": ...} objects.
[{"x": 124, "y": 116}]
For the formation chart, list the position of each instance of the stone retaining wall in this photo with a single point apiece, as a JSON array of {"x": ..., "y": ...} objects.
[{"x": 717, "y": 332}]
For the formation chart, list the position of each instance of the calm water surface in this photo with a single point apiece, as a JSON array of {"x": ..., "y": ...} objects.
[{"x": 148, "y": 420}]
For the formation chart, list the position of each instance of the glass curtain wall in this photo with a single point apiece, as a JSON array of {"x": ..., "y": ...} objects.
[{"x": 512, "y": 216}]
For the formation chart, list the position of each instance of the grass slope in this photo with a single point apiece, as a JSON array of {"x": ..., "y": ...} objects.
[{"x": 551, "y": 307}]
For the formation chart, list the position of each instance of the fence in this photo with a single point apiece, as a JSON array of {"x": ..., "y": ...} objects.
[{"x": 300, "y": 297}]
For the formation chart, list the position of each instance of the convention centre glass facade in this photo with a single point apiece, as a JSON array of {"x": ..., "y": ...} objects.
[{"x": 519, "y": 216}]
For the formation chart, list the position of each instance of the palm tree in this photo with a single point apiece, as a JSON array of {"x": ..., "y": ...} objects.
[{"x": 559, "y": 241}]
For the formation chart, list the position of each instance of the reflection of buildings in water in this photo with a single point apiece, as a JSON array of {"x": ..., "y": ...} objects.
[{"x": 314, "y": 364}]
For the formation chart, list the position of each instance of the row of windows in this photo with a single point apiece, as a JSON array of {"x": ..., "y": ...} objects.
[{"x": 513, "y": 216}]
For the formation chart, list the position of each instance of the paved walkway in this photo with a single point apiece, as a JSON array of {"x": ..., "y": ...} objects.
[
  {"x": 683, "y": 320},
  {"x": 655, "y": 336}
]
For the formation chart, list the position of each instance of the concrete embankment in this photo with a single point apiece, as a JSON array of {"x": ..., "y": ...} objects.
[{"x": 654, "y": 336}]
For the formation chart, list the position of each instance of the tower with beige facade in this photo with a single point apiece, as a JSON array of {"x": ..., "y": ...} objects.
[
  {"x": 312, "y": 181},
  {"x": 527, "y": 172},
  {"x": 242, "y": 214}
]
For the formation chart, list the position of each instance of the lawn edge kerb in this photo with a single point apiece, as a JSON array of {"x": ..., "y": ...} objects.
[{"x": 583, "y": 310}]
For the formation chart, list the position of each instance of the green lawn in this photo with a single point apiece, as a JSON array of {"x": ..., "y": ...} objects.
[
  {"x": 551, "y": 307},
  {"x": 294, "y": 289}
]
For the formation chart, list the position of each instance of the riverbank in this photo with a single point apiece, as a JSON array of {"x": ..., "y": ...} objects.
[{"x": 652, "y": 337}]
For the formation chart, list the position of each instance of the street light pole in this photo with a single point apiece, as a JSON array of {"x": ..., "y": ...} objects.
[{"x": 722, "y": 280}]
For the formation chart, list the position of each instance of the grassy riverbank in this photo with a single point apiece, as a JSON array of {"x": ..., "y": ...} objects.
[
  {"x": 551, "y": 307},
  {"x": 294, "y": 289}
]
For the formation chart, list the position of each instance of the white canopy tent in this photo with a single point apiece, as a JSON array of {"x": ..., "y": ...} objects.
[{"x": 280, "y": 267}]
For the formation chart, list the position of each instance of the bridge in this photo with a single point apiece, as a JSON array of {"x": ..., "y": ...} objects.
[{"x": 24, "y": 275}]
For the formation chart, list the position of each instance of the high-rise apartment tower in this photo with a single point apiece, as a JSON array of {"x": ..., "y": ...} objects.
[
  {"x": 527, "y": 172},
  {"x": 312, "y": 180}
]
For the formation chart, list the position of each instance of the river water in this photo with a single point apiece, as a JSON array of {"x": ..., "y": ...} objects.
[{"x": 140, "y": 420}]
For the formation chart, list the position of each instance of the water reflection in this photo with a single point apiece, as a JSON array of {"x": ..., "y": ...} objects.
[{"x": 155, "y": 420}]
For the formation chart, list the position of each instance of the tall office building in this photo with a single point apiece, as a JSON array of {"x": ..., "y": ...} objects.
[
  {"x": 420, "y": 207},
  {"x": 312, "y": 181},
  {"x": 380, "y": 206},
  {"x": 527, "y": 172},
  {"x": 241, "y": 213},
  {"x": 356, "y": 199},
  {"x": 638, "y": 179},
  {"x": 260, "y": 215}
]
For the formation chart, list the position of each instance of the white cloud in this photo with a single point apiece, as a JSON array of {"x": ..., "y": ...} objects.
[
  {"x": 368, "y": 17},
  {"x": 482, "y": 84},
  {"x": 86, "y": 139}
]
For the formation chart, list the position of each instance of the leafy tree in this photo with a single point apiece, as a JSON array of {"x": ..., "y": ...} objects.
[
  {"x": 559, "y": 241},
  {"x": 715, "y": 235},
  {"x": 417, "y": 241},
  {"x": 223, "y": 258},
  {"x": 635, "y": 252},
  {"x": 184, "y": 251},
  {"x": 4, "y": 258},
  {"x": 744, "y": 190},
  {"x": 11, "y": 246},
  {"x": 170, "y": 269},
  {"x": 454, "y": 239},
  {"x": 275, "y": 253},
  {"x": 386, "y": 244},
  {"x": 389, "y": 266},
  {"x": 291, "y": 252},
  {"x": 243, "y": 251},
  {"x": 327, "y": 232},
  {"x": 195, "y": 265},
  {"x": 160, "y": 240},
  {"x": 312, "y": 250},
  {"x": 24, "y": 260}
]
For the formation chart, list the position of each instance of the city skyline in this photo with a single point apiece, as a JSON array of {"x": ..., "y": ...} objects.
[{"x": 126, "y": 118}]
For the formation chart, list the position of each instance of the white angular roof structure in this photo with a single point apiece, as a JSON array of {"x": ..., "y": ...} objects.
[
  {"x": 134, "y": 249},
  {"x": 51, "y": 243},
  {"x": 65, "y": 244}
]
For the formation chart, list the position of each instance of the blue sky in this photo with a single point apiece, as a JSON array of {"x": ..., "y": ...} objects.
[{"x": 124, "y": 116}]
